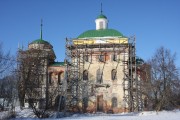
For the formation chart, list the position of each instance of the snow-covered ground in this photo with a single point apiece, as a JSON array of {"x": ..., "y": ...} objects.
[
  {"x": 3, "y": 115},
  {"x": 25, "y": 113},
  {"x": 146, "y": 115},
  {"x": 150, "y": 115}
]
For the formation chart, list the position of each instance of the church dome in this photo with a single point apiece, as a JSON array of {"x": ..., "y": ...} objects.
[
  {"x": 40, "y": 41},
  {"x": 44, "y": 45},
  {"x": 101, "y": 33},
  {"x": 40, "y": 44}
]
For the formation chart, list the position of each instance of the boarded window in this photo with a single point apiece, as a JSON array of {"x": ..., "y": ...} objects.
[
  {"x": 114, "y": 57},
  {"x": 101, "y": 58},
  {"x": 86, "y": 58},
  {"x": 59, "y": 78},
  {"x": 50, "y": 78},
  {"x": 85, "y": 104},
  {"x": 113, "y": 74},
  {"x": 145, "y": 102},
  {"x": 85, "y": 75},
  {"x": 114, "y": 102},
  {"x": 100, "y": 103},
  {"x": 99, "y": 77},
  {"x": 92, "y": 90}
]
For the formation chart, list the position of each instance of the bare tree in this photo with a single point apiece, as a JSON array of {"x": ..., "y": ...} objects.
[
  {"x": 6, "y": 61},
  {"x": 33, "y": 80},
  {"x": 161, "y": 84},
  {"x": 8, "y": 79},
  {"x": 8, "y": 91}
]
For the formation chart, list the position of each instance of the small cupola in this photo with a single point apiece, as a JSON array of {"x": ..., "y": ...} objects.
[{"x": 101, "y": 21}]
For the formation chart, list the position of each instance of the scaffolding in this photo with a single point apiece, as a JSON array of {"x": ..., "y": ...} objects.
[
  {"x": 74, "y": 65},
  {"x": 75, "y": 60},
  {"x": 132, "y": 82}
]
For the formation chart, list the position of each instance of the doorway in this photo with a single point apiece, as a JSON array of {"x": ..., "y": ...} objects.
[{"x": 100, "y": 103}]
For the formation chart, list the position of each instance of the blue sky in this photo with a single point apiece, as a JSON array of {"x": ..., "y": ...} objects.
[{"x": 155, "y": 23}]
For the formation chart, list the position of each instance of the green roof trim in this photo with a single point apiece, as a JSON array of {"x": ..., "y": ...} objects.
[
  {"x": 101, "y": 16},
  {"x": 57, "y": 64},
  {"x": 101, "y": 33},
  {"x": 139, "y": 61},
  {"x": 40, "y": 41}
]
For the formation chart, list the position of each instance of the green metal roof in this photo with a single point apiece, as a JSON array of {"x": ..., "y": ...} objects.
[
  {"x": 100, "y": 33},
  {"x": 139, "y": 61},
  {"x": 40, "y": 41},
  {"x": 101, "y": 16},
  {"x": 57, "y": 64}
]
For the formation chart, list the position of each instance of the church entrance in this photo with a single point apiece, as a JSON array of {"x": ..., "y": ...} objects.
[{"x": 100, "y": 103}]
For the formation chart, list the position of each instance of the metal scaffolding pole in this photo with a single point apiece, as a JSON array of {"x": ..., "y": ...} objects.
[
  {"x": 132, "y": 88},
  {"x": 75, "y": 60}
]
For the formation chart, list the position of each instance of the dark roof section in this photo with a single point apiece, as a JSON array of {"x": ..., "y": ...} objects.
[
  {"x": 57, "y": 64},
  {"x": 101, "y": 16},
  {"x": 139, "y": 61}
]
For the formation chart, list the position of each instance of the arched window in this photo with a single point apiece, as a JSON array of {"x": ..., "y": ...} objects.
[
  {"x": 59, "y": 78},
  {"x": 50, "y": 78},
  {"x": 145, "y": 102},
  {"x": 101, "y": 58},
  {"x": 85, "y": 75},
  {"x": 114, "y": 102},
  {"x": 86, "y": 58},
  {"x": 114, "y": 57},
  {"x": 60, "y": 100},
  {"x": 99, "y": 77},
  {"x": 113, "y": 74}
]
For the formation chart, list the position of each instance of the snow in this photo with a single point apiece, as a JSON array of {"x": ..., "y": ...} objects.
[
  {"x": 150, "y": 115},
  {"x": 25, "y": 113},
  {"x": 3, "y": 115},
  {"x": 146, "y": 115}
]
